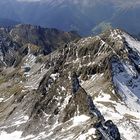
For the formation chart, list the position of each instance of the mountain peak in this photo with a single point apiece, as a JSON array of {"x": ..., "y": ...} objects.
[{"x": 86, "y": 88}]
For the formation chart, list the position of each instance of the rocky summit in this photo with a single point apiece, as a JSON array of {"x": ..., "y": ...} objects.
[{"x": 55, "y": 85}]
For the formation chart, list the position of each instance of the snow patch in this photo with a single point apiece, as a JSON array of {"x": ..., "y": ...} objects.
[
  {"x": 12, "y": 136},
  {"x": 54, "y": 76},
  {"x": 91, "y": 132},
  {"x": 80, "y": 119},
  {"x": 133, "y": 43},
  {"x": 1, "y": 99},
  {"x": 63, "y": 89}
]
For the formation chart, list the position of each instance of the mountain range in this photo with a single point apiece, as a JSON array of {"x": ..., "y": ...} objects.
[
  {"x": 69, "y": 70},
  {"x": 85, "y": 16},
  {"x": 81, "y": 88}
]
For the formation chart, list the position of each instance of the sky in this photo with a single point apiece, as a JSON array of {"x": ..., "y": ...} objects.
[
  {"x": 75, "y": 14},
  {"x": 120, "y": 3},
  {"x": 30, "y": 0}
]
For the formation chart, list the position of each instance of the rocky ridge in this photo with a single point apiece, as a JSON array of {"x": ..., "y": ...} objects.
[{"x": 85, "y": 89}]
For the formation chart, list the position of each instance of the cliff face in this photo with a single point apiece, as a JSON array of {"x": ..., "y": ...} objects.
[
  {"x": 85, "y": 89},
  {"x": 18, "y": 41}
]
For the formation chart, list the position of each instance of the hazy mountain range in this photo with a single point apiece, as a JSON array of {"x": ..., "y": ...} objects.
[{"x": 85, "y": 16}]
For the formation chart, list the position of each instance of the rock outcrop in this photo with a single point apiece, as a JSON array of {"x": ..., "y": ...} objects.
[{"x": 85, "y": 89}]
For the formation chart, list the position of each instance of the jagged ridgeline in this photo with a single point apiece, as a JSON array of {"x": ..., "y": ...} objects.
[
  {"x": 55, "y": 85},
  {"x": 20, "y": 40}
]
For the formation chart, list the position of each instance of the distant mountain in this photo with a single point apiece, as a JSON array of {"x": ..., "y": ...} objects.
[
  {"x": 7, "y": 22},
  {"x": 80, "y": 15},
  {"x": 15, "y": 41}
]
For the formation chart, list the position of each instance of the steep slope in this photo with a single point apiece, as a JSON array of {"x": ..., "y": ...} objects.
[
  {"x": 86, "y": 89},
  {"x": 118, "y": 98},
  {"x": 48, "y": 39},
  {"x": 17, "y": 41}
]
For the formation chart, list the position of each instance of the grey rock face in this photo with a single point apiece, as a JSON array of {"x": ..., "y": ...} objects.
[
  {"x": 16, "y": 42},
  {"x": 86, "y": 89}
]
